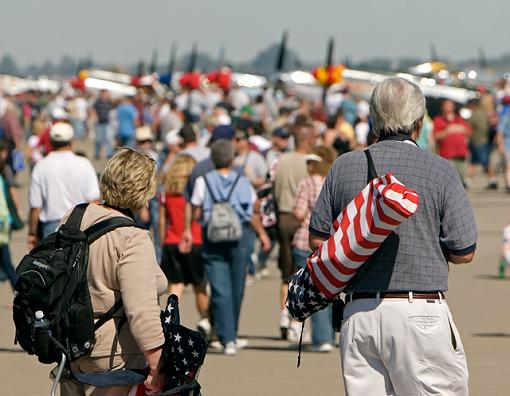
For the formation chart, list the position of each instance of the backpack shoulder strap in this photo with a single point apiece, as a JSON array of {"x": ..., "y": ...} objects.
[
  {"x": 371, "y": 173},
  {"x": 233, "y": 187},
  {"x": 210, "y": 190},
  {"x": 74, "y": 219},
  {"x": 93, "y": 233},
  {"x": 97, "y": 230},
  {"x": 108, "y": 314}
]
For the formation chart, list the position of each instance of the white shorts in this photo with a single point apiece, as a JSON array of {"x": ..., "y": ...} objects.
[{"x": 401, "y": 347}]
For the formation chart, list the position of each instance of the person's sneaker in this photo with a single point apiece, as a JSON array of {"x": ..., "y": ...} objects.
[
  {"x": 294, "y": 333},
  {"x": 250, "y": 280},
  {"x": 230, "y": 349},
  {"x": 204, "y": 327},
  {"x": 264, "y": 272},
  {"x": 216, "y": 345},
  {"x": 284, "y": 323},
  {"x": 493, "y": 185},
  {"x": 322, "y": 348},
  {"x": 241, "y": 343}
]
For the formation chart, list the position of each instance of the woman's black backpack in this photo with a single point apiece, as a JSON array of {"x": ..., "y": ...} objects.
[{"x": 53, "y": 280}]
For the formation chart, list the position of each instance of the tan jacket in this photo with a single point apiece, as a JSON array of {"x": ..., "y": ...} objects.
[{"x": 123, "y": 264}]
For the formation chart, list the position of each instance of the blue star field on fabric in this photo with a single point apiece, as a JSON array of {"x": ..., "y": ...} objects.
[
  {"x": 304, "y": 298},
  {"x": 184, "y": 349}
]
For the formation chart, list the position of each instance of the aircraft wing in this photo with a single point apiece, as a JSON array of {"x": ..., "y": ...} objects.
[{"x": 12, "y": 85}]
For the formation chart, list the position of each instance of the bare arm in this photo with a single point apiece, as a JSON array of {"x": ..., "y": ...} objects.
[
  {"x": 461, "y": 259},
  {"x": 196, "y": 213},
  {"x": 186, "y": 239},
  {"x": 441, "y": 135},
  {"x": 260, "y": 230},
  {"x": 155, "y": 380},
  {"x": 188, "y": 216},
  {"x": 299, "y": 213},
  {"x": 162, "y": 224},
  {"x": 93, "y": 114},
  {"x": 257, "y": 182},
  {"x": 315, "y": 241},
  {"x": 33, "y": 222},
  {"x": 15, "y": 199}
]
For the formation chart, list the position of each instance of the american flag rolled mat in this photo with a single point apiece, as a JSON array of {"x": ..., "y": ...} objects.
[{"x": 356, "y": 234}]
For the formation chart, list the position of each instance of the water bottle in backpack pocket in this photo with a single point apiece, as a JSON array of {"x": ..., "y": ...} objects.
[{"x": 42, "y": 334}]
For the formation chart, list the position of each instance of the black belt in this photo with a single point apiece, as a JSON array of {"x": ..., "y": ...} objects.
[{"x": 417, "y": 295}]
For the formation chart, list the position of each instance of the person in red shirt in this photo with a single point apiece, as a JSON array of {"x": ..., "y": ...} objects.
[
  {"x": 451, "y": 133},
  {"x": 181, "y": 269}
]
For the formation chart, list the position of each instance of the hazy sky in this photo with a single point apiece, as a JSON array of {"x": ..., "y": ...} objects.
[{"x": 124, "y": 31}]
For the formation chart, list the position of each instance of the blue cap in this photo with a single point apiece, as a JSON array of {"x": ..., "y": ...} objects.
[
  {"x": 223, "y": 132},
  {"x": 281, "y": 132}
]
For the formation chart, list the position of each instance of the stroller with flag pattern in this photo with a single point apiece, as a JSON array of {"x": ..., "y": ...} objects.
[{"x": 184, "y": 354}]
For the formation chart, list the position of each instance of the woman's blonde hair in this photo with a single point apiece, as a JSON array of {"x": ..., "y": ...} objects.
[
  {"x": 129, "y": 179},
  {"x": 328, "y": 156},
  {"x": 177, "y": 176}
]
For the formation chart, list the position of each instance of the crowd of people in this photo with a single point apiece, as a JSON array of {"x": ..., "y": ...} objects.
[{"x": 265, "y": 155}]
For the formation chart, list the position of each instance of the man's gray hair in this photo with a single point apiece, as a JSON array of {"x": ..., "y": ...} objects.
[
  {"x": 397, "y": 105},
  {"x": 222, "y": 153}
]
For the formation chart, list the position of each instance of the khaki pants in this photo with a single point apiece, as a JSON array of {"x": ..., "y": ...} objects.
[
  {"x": 99, "y": 365},
  {"x": 460, "y": 165},
  {"x": 287, "y": 227},
  {"x": 401, "y": 347}
]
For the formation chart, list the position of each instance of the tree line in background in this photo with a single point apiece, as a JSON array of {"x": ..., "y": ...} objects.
[{"x": 262, "y": 63}]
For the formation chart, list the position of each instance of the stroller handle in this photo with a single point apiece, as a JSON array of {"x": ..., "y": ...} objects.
[{"x": 59, "y": 375}]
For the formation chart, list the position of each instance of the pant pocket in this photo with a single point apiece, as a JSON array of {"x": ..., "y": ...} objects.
[
  {"x": 425, "y": 323},
  {"x": 454, "y": 334},
  {"x": 453, "y": 337}
]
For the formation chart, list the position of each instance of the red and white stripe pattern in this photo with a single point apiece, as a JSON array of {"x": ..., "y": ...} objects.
[{"x": 359, "y": 231}]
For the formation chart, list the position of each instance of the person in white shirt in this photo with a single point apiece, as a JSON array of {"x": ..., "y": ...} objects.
[
  {"x": 189, "y": 137},
  {"x": 169, "y": 118},
  {"x": 78, "y": 108},
  {"x": 238, "y": 98},
  {"x": 253, "y": 164},
  {"x": 362, "y": 128},
  {"x": 191, "y": 101},
  {"x": 59, "y": 181}
]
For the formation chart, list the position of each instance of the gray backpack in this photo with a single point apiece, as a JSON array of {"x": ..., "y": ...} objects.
[{"x": 224, "y": 224}]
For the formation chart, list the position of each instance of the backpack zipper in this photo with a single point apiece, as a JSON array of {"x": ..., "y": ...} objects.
[{"x": 42, "y": 278}]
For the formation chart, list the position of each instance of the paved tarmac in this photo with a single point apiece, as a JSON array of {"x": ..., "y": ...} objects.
[{"x": 478, "y": 299}]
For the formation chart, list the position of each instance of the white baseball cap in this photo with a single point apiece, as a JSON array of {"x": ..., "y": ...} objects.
[
  {"x": 313, "y": 157},
  {"x": 224, "y": 119},
  {"x": 61, "y": 132},
  {"x": 58, "y": 113},
  {"x": 173, "y": 137},
  {"x": 144, "y": 133},
  {"x": 363, "y": 109}
]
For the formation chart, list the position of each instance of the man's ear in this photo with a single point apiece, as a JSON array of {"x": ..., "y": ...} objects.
[{"x": 415, "y": 134}]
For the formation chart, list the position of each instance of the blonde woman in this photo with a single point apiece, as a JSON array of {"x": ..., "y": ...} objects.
[
  {"x": 181, "y": 269},
  {"x": 122, "y": 265}
]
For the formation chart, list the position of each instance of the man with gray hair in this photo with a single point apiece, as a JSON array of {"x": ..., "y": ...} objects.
[{"x": 397, "y": 334}]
